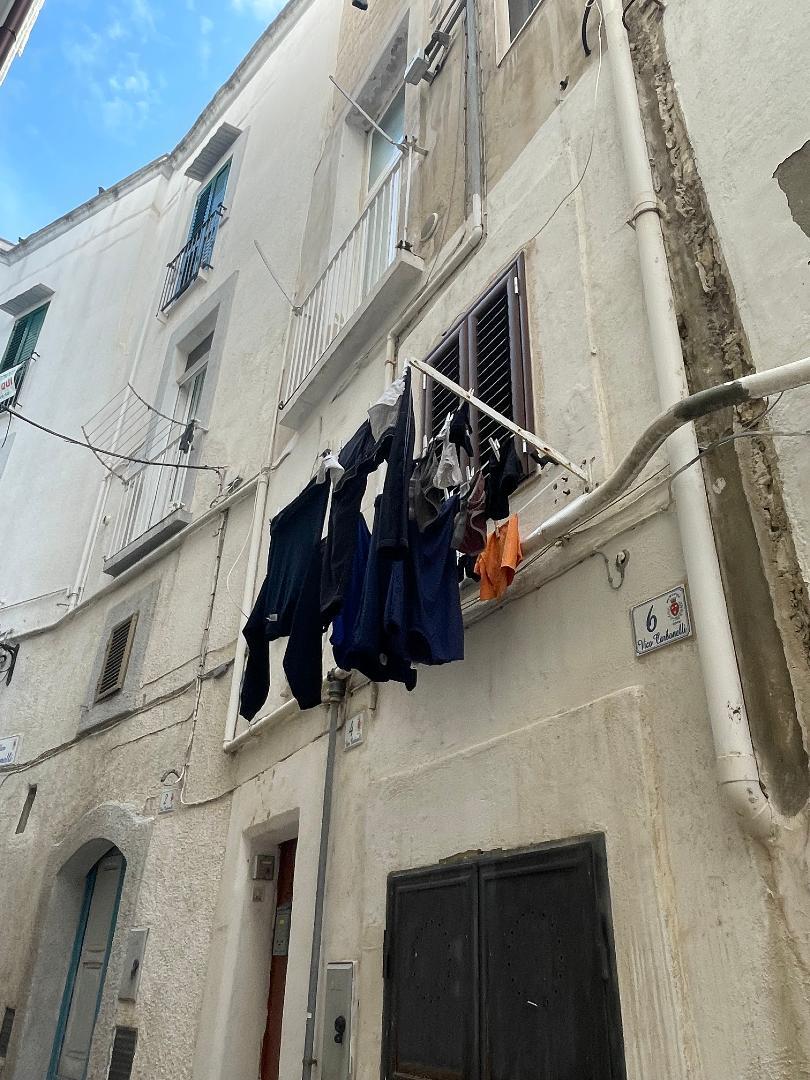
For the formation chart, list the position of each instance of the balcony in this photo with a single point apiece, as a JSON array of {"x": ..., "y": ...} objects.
[
  {"x": 151, "y": 507},
  {"x": 185, "y": 267},
  {"x": 365, "y": 282}
]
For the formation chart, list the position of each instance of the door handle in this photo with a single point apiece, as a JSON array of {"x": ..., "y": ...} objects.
[{"x": 340, "y": 1028}]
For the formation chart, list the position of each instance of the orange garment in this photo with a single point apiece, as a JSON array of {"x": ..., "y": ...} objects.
[{"x": 499, "y": 560}]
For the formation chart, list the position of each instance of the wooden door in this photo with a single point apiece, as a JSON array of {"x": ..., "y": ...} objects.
[
  {"x": 271, "y": 1045},
  {"x": 86, "y": 976}
]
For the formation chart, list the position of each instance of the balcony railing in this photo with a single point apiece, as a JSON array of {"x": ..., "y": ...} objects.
[
  {"x": 185, "y": 267},
  {"x": 151, "y": 492},
  {"x": 351, "y": 276}
]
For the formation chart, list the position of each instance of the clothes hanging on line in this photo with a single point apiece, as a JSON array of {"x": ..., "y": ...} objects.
[
  {"x": 424, "y": 498},
  {"x": 368, "y": 647},
  {"x": 505, "y": 473},
  {"x": 448, "y": 473},
  {"x": 295, "y": 534},
  {"x": 345, "y": 620},
  {"x": 470, "y": 527},
  {"x": 423, "y": 607},
  {"x": 460, "y": 429},
  {"x": 360, "y": 457},
  {"x": 499, "y": 560}
]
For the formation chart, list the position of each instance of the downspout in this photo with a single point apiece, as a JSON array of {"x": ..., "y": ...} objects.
[
  {"x": 475, "y": 228},
  {"x": 336, "y": 693},
  {"x": 11, "y": 27},
  {"x": 738, "y": 774}
]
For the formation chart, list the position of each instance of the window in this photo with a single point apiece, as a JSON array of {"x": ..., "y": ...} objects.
[
  {"x": 486, "y": 351},
  {"x": 187, "y": 410},
  {"x": 381, "y": 154},
  {"x": 209, "y": 200},
  {"x": 502, "y": 968},
  {"x": 196, "y": 255},
  {"x": 116, "y": 658},
  {"x": 23, "y": 341},
  {"x": 511, "y": 16}
]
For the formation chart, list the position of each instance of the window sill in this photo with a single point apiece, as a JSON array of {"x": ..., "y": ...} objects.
[
  {"x": 365, "y": 325},
  {"x": 147, "y": 542}
]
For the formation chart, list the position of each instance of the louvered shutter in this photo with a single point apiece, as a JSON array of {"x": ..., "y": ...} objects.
[
  {"x": 487, "y": 352},
  {"x": 23, "y": 340},
  {"x": 451, "y": 359},
  {"x": 209, "y": 199},
  {"x": 123, "y": 1053},
  {"x": 116, "y": 658},
  {"x": 431, "y": 989}
]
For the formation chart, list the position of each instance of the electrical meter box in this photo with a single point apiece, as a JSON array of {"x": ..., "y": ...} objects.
[{"x": 336, "y": 1052}]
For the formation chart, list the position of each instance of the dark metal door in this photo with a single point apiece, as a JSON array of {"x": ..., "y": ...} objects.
[
  {"x": 501, "y": 968},
  {"x": 432, "y": 991}
]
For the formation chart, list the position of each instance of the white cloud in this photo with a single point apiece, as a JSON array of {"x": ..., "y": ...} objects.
[
  {"x": 116, "y": 30},
  {"x": 143, "y": 17},
  {"x": 262, "y": 9},
  {"x": 206, "y": 25}
]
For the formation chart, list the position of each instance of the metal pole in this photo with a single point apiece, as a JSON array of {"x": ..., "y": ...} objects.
[
  {"x": 504, "y": 421},
  {"x": 336, "y": 692}
]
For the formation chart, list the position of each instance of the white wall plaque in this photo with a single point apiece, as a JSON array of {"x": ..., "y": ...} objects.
[
  {"x": 353, "y": 733},
  {"x": 661, "y": 621},
  {"x": 8, "y": 749}
]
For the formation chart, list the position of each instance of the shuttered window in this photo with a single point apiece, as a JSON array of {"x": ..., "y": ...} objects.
[
  {"x": 502, "y": 968},
  {"x": 209, "y": 199},
  {"x": 123, "y": 1053},
  {"x": 486, "y": 351},
  {"x": 116, "y": 658},
  {"x": 23, "y": 342}
]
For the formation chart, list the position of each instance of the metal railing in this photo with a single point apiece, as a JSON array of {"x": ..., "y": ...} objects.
[
  {"x": 151, "y": 492},
  {"x": 185, "y": 267},
  {"x": 352, "y": 274}
]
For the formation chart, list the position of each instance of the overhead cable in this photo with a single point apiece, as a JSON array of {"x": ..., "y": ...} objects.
[{"x": 219, "y": 469}]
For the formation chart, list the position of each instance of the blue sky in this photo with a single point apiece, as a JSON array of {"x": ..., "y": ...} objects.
[{"x": 103, "y": 87}]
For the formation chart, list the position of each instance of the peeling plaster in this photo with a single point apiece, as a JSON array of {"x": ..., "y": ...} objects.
[{"x": 793, "y": 177}]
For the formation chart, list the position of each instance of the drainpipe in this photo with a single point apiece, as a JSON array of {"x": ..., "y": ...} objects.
[
  {"x": 474, "y": 181},
  {"x": 11, "y": 27},
  {"x": 336, "y": 692},
  {"x": 738, "y": 774}
]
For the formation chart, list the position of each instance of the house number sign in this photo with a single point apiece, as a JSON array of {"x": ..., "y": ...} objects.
[{"x": 661, "y": 621}]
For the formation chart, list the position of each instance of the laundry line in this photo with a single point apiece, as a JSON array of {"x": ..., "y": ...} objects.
[{"x": 528, "y": 437}]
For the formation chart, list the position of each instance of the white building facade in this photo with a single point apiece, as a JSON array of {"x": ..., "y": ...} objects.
[{"x": 568, "y": 854}]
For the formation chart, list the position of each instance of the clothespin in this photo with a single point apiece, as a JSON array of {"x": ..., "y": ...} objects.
[{"x": 496, "y": 447}]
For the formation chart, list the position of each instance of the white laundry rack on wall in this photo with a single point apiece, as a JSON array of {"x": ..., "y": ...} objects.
[{"x": 528, "y": 436}]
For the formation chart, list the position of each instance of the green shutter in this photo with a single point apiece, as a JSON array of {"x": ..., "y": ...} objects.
[
  {"x": 210, "y": 199},
  {"x": 23, "y": 340}
]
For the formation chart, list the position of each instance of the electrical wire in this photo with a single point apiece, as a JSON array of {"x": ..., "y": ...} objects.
[
  {"x": 218, "y": 469},
  {"x": 228, "y": 575},
  {"x": 624, "y": 13},
  {"x": 269, "y": 269},
  {"x": 578, "y": 184}
]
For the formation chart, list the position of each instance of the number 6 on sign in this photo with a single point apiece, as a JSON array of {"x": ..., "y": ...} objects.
[{"x": 661, "y": 621}]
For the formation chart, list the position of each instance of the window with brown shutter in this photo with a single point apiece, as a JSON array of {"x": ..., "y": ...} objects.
[
  {"x": 116, "y": 658},
  {"x": 487, "y": 351}
]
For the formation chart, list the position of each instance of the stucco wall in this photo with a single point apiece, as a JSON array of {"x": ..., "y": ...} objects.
[{"x": 550, "y": 727}]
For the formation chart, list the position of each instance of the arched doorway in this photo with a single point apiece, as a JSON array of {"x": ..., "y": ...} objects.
[{"x": 88, "y": 966}]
